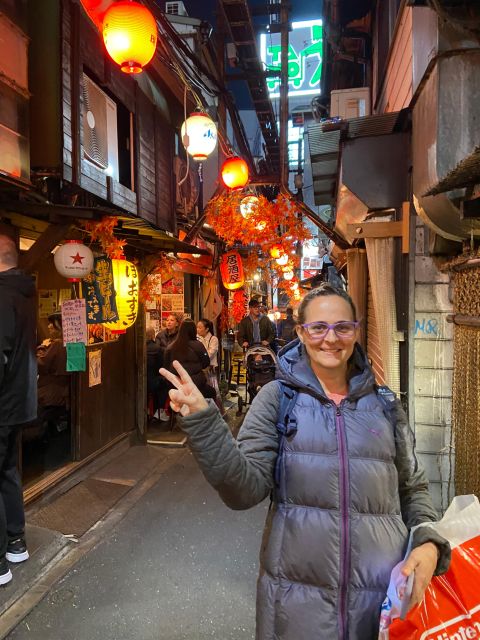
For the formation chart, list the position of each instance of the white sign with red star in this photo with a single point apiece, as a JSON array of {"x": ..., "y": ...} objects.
[{"x": 73, "y": 260}]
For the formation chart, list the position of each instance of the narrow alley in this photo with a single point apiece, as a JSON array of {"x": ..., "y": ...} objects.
[{"x": 179, "y": 566}]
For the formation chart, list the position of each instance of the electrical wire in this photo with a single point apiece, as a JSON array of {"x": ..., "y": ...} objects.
[{"x": 187, "y": 169}]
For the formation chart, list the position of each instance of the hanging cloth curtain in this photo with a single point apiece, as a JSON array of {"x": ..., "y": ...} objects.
[
  {"x": 357, "y": 277},
  {"x": 381, "y": 268}
]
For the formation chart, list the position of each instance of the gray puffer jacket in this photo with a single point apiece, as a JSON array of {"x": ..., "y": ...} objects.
[{"x": 350, "y": 488}]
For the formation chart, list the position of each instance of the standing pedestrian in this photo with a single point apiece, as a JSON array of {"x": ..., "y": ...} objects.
[
  {"x": 209, "y": 341},
  {"x": 286, "y": 328},
  {"x": 255, "y": 328},
  {"x": 337, "y": 458},
  {"x": 167, "y": 335},
  {"x": 192, "y": 354},
  {"x": 18, "y": 397}
]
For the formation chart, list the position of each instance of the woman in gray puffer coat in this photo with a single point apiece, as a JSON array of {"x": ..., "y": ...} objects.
[{"x": 345, "y": 482}]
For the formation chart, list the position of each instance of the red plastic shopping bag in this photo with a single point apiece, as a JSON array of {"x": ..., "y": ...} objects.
[{"x": 450, "y": 609}]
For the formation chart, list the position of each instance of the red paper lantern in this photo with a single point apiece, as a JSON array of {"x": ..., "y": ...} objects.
[
  {"x": 231, "y": 270},
  {"x": 234, "y": 173},
  {"x": 130, "y": 35}
]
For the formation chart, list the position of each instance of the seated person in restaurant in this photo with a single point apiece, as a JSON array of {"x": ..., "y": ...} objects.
[{"x": 53, "y": 380}]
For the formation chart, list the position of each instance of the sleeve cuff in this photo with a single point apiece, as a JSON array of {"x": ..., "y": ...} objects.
[
  {"x": 203, "y": 417},
  {"x": 428, "y": 534}
]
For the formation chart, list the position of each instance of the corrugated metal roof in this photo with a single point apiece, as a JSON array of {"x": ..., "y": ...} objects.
[
  {"x": 321, "y": 143},
  {"x": 377, "y": 125}
]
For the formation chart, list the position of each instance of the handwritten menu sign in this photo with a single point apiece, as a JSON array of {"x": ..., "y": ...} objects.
[{"x": 74, "y": 321}]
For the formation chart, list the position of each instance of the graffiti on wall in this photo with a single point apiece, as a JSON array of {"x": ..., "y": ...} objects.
[{"x": 426, "y": 327}]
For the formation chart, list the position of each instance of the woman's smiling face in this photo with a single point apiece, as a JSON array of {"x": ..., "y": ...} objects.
[{"x": 329, "y": 352}]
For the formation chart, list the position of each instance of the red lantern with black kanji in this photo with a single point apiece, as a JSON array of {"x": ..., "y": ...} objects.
[
  {"x": 234, "y": 173},
  {"x": 231, "y": 270}
]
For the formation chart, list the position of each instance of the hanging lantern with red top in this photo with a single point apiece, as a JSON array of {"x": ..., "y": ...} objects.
[
  {"x": 234, "y": 173},
  {"x": 199, "y": 136},
  {"x": 231, "y": 270},
  {"x": 282, "y": 259},
  {"x": 125, "y": 282},
  {"x": 73, "y": 260},
  {"x": 130, "y": 35}
]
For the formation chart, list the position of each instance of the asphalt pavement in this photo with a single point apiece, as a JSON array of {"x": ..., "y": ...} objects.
[{"x": 179, "y": 565}]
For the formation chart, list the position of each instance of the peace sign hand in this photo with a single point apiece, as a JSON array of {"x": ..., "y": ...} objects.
[{"x": 185, "y": 398}]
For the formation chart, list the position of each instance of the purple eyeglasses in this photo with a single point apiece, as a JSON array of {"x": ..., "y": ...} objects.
[{"x": 343, "y": 329}]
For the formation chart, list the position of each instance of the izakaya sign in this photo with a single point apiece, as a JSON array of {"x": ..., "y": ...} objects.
[
  {"x": 305, "y": 54},
  {"x": 231, "y": 270}
]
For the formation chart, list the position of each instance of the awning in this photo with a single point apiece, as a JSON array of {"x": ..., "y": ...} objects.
[
  {"x": 34, "y": 218},
  {"x": 326, "y": 140},
  {"x": 144, "y": 234}
]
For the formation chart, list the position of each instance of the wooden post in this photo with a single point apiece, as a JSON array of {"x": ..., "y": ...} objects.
[{"x": 49, "y": 239}]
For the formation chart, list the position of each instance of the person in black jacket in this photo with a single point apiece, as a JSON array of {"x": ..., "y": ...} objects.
[
  {"x": 156, "y": 385},
  {"x": 255, "y": 328},
  {"x": 166, "y": 336},
  {"x": 18, "y": 397},
  {"x": 192, "y": 355}
]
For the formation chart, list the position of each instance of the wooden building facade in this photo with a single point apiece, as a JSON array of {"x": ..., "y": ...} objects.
[{"x": 80, "y": 140}]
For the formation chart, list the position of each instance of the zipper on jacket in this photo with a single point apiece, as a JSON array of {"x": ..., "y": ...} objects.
[{"x": 344, "y": 528}]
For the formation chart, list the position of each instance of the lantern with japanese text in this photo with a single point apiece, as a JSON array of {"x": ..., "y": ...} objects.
[
  {"x": 130, "y": 35},
  {"x": 288, "y": 273},
  {"x": 199, "y": 136},
  {"x": 125, "y": 280},
  {"x": 234, "y": 173},
  {"x": 231, "y": 270},
  {"x": 73, "y": 260}
]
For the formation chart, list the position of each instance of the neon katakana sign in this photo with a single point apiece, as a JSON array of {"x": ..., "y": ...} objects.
[{"x": 305, "y": 53}]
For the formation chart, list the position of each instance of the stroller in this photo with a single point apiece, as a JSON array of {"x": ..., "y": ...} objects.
[{"x": 260, "y": 364}]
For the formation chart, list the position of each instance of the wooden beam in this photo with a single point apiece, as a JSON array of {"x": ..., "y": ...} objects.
[
  {"x": 405, "y": 227},
  {"x": 49, "y": 239},
  {"x": 398, "y": 229},
  {"x": 463, "y": 320}
]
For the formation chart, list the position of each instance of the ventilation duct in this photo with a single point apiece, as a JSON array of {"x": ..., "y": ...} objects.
[{"x": 446, "y": 135}]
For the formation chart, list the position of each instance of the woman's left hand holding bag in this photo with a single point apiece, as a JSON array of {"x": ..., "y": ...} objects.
[{"x": 423, "y": 561}]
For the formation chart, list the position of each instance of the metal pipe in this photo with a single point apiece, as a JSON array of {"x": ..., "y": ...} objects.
[{"x": 284, "y": 14}]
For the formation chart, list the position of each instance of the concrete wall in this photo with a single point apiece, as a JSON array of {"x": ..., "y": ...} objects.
[{"x": 433, "y": 368}]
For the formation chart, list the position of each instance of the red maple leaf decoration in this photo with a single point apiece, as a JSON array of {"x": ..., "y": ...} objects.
[{"x": 78, "y": 258}]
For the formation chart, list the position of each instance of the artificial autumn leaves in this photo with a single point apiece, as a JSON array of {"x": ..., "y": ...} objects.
[{"x": 267, "y": 225}]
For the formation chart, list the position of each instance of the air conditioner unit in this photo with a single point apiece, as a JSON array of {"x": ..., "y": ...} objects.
[
  {"x": 350, "y": 103},
  {"x": 99, "y": 119},
  {"x": 175, "y": 9}
]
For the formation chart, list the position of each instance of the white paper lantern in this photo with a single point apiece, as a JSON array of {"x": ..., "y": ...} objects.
[
  {"x": 199, "y": 136},
  {"x": 73, "y": 260},
  {"x": 248, "y": 206}
]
